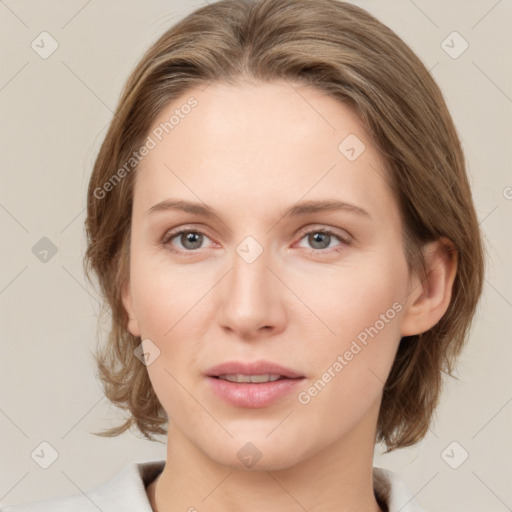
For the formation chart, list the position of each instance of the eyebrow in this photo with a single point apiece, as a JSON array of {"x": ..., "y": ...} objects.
[{"x": 299, "y": 209}]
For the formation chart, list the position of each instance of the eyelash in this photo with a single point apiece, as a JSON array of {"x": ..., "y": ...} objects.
[{"x": 321, "y": 252}]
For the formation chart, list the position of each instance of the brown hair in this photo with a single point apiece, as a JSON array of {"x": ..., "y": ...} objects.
[{"x": 342, "y": 50}]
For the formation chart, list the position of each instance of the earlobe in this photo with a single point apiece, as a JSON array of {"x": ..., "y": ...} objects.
[
  {"x": 429, "y": 297},
  {"x": 126, "y": 297}
]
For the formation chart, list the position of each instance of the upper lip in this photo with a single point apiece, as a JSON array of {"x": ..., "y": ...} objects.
[{"x": 251, "y": 368}]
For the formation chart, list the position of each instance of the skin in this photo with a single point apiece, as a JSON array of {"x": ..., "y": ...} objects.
[{"x": 250, "y": 151}]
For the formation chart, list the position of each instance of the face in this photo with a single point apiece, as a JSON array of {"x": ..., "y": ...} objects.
[{"x": 261, "y": 274}]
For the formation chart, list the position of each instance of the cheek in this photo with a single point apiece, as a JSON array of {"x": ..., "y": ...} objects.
[
  {"x": 364, "y": 309},
  {"x": 165, "y": 295},
  {"x": 352, "y": 299},
  {"x": 351, "y": 370},
  {"x": 170, "y": 312}
]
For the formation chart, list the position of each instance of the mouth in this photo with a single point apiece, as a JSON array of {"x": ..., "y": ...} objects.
[
  {"x": 256, "y": 372},
  {"x": 252, "y": 385},
  {"x": 251, "y": 379}
]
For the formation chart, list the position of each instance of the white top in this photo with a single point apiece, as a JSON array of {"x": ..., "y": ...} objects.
[{"x": 126, "y": 492}]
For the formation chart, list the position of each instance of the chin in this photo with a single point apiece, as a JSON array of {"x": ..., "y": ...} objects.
[{"x": 257, "y": 455}]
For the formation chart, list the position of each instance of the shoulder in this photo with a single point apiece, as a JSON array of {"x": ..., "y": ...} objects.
[
  {"x": 392, "y": 490},
  {"x": 125, "y": 492},
  {"x": 68, "y": 504}
]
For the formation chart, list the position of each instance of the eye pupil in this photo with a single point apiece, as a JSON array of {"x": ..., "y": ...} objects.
[
  {"x": 319, "y": 237},
  {"x": 193, "y": 238}
]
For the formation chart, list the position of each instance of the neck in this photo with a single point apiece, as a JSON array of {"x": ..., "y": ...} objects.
[{"x": 336, "y": 479}]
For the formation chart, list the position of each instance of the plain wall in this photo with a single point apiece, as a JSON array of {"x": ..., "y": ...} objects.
[{"x": 55, "y": 112}]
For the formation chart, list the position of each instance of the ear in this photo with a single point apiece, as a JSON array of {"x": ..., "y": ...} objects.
[
  {"x": 429, "y": 297},
  {"x": 126, "y": 297}
]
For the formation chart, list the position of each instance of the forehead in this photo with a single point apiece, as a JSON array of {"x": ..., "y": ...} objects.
[
  {"x": 260, "y": 115},
  {"x": 259, "y": 142}
]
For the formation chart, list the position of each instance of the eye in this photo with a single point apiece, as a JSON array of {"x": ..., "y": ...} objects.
[
  {"x": 190, "y": 240},
  {"x": 320, "y": 239}
]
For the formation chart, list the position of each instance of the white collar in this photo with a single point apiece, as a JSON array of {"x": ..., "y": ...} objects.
[
  {"x": 126, "y": 492},
  {"x": 394, "y": 492}
]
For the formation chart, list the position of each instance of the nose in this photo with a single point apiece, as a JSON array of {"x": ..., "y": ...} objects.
[{"x": 250, "y": 298}]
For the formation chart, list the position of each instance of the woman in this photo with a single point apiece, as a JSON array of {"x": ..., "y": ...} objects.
[{"x": 280, "y": 220}]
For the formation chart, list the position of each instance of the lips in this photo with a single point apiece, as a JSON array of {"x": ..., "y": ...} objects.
[
  {"x": 253, "y": 385},
  {"x": 232, "y": 368}
]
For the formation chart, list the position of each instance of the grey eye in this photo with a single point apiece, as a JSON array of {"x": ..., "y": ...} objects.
[
  {"x": 191, "y": 239},
  {"x": 319, "y": 240}
]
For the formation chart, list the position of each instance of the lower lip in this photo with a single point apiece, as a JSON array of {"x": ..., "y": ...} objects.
[{"x": 253, "y": 395}]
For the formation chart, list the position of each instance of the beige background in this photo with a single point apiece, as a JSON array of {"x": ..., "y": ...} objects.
[{"x": 54, "y": 115}]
